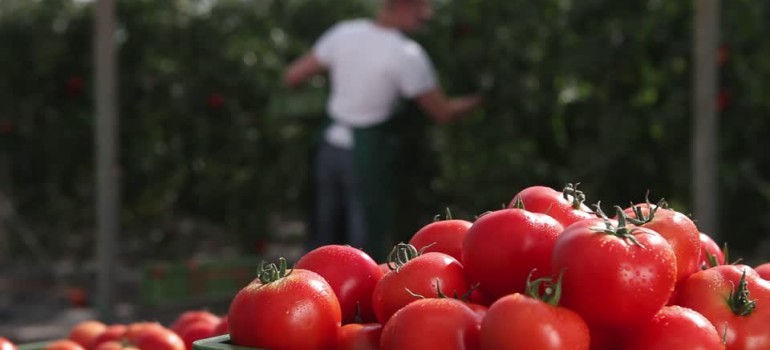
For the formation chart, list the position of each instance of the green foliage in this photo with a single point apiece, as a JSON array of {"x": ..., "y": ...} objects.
[{"x": 591, "y": 91}]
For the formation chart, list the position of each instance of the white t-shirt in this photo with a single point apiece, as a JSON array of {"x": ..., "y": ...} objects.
[{"x": 370, "y": 68}]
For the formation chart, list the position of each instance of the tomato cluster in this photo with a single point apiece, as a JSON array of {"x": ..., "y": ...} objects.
[
  {"x": 95, "y": 335},
  {"x": 546, "y": 272}
]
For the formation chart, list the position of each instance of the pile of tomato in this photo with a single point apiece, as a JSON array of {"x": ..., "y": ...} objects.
[
  {"x": 94, "y": 335},
  {"x": 546, "y": 272}
]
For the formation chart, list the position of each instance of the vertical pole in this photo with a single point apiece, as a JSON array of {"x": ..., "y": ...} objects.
[
  {"x": 106, "y": 131},
  {"x": 705, "y": 157}
]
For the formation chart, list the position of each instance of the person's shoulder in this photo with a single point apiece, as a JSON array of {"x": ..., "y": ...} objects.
[
  {"x": 352, "y": 25},
  {"x": 411, "y": 48}
]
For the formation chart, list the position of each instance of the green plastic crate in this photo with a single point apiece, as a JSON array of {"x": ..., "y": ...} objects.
[
  {"x": 33, "y": 346},
  {"x": 219, "y": 343}
]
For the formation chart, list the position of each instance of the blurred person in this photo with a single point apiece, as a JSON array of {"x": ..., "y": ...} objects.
[{"x": 372, "y": 66}]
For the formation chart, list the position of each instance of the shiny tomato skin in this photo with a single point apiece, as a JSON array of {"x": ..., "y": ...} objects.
[
  {"x": 675, "y": 327},
  {"x": 708, "y": 291},
  {"x": 6, "y": 344},
  {"x": 517, "y": 321},
  {"x": 443, "y": 236},
  {"x": 708, "y": 246},
  {"x": 763, "y": 271},
  {"x": 510, "y": 243},
  {"x": 612, "y": 282},
  {"x": 423, "y": 276},
  {"x": 196, "y": 331},
  {"x": 84, "y": 333},
  {"x": 356, "y": 336},
  {"x": 158, "y": 338},
  {"x": 299, "y": 311},
  {"x": 351, "y": 273},
  {"x": 112, "y": 332},
  {"x": 432, "y": 323},
  {"x": 546, "y": 200},
  {"x": 680, "y": 232},
  {"x": 222, "y": 327}
]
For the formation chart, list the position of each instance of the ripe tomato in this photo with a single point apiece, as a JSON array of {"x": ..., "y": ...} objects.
[
  {"x": 6, "y": 344},
  {"x": 136, "y": 328},
  {"x": 64, "y": 344},
  {"x": 432, "y": 323},
  {"x": 196, "y": 331},
  {"x": 84, "y": 333},
  {"x": 189, "y": 317},
  {"x": 222, "y": 328},
  {"x": 509, "y": 243},
  {"x": 763, "y": 271},
  {"x": 615, "y": 275},
  {"x": 285, "y": 310},
  {"x": 517, "y": 321},
  {"x": 708, "y": 246},
  {"x": 115, "y": 345},
  {"x": 112, "y": 332},
  {"x": 675, "y": 327},
  {"x": 443, "y": 236},
  {"x": 736, "y": 301},
  {"x": 351, "y": 273},
  {"x": 566, "y": 206},
  {"x": 680, "y": 232},
  {"x": 356, "y": 336},
  {"x": 421, "y": 275},
  {"x": 158, "y": 338}
]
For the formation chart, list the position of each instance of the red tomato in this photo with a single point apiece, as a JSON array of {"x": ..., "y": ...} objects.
[
  {"x": 763, "y": 271},
  {"x": 675, "y": 327},
  {"x": 84, "y": 333},
  {"x": 115, "y": 345},
  {"x": 708, "y": 246},
  {"x": 444, "y": 236},
  {"x": 736, "y": 301},
  {"x": 159, "y": 338},
  {"x": 432, "y": 323},
  {"x": 222, "y": 327},
  {"x": 64, "y": 344},
  {"x": 422, "y": 275},
  {"x": 680, "y": 232},
  {"x": 294, "y": 310},
  {"x": 510, "y": 243},
  {"x": 351, "y": 273},
  {"x": 189, "y": 317},
  {"x": 6, "y": 344},
  {"x": 517, "y": 321},
  {"x": 384, "y": 268},
  {"x": 136, "y": 328},
  {"x": 615, "y": 275},
  {"x": 112, "y": 332},
  {"x": 566, "y": 207},
  {"x": 356, "y": 336},
  {"x": 196, "y": 331}
]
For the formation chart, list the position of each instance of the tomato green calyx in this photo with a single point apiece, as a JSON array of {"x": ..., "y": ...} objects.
[
  {"x": 518, "y": 203},
  {"x": 740, "y": 302},
  {"x": 578, "y": 197},
  {"x": 711, "y": 261},
  {"x": 551, "y": 293},
  {"x": 401, "y": 254},
  {"x": 622, "y": 230},
  {"x": 640, "y": 218},
  {"x": 447, "y": 217},
  {"x": 270, "y": 272}
]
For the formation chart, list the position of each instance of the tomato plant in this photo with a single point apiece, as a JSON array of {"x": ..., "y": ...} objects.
[
  {"x": 356, "y": 336},
  {"x": 680, "y": 232},
  {"x": 416, "y": 275},
  {"x": 432, "y": 323},
  {"x": 509, "y": 243},
  {"x": 294, "y": 309},
  {"x": 736, "y": 301},
  {"x": 615, "y": 275},
  {"x": 675, "y": 327},
  {"x": 351, "y": 273},
  {"x": 443, "y": 236},
  {"x": 566, "y": 206},
  {"x": 533, "y": 321}
]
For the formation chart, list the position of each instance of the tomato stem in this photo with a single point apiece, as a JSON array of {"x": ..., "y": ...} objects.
[
  {"x": 518, "y": 203},
  {"x": 551, "y": 293},
  {"x": 622, "y": 230},
  {"x": 640, "y": 218},
  {"x": 577, "y": 196},
  {"x": 270, "y": 272},
  {"x": 740, "y": 302},
  {"x": 400, "y": 255}
]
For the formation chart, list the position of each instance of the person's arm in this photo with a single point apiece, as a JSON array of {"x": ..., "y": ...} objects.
[
  {"x": 443, "y": 109},
  {"x": 302, "y": 69}
]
